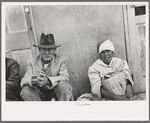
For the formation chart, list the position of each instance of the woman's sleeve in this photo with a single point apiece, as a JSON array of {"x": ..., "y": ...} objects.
[
  {"x": 126, "y": 70},
  {"x": 95, "y": 81}
]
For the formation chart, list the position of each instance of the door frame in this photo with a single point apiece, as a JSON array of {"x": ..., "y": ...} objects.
[{"x": 132, "y": 44}]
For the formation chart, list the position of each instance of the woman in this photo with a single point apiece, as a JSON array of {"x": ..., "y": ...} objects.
[{"x": 109, "y": 76}]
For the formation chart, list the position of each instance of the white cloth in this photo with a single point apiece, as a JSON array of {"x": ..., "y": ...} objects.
[
  {"x": 45, "y": 66},
  {"x": 116, "y": 83},
  {"x": 106, "y": 45},
  {"x": 99, "y": 70}
]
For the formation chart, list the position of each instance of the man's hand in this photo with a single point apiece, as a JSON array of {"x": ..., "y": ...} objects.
[
  {"x": 34, "y": 80},
  {"x": 42, "y": 79}
]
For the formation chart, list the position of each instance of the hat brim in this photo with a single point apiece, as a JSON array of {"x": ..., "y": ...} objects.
[{"x": 46, "y": 46}]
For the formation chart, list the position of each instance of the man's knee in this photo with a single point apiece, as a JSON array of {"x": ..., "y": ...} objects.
[
  {"x": 25, "y": 91},
  {"x": 64, "y": 87},
  {"x": 30, "y": 94},
  {"x": 63, "y": 91}
]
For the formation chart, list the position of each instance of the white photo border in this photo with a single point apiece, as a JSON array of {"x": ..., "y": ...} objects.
[{"x": 71, "y": 111}]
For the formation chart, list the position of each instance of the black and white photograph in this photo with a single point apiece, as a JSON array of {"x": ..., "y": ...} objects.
[{"x": 75, "y": 61}]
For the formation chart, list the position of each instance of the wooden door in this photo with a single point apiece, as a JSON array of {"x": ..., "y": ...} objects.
[
  {"x": 140, "y": 20},
  {"x": 135, "y": 34},
  {"x": 19, "y": 35}
]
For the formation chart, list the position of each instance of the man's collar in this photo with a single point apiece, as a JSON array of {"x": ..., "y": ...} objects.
[{"x": 39, "y": 60}]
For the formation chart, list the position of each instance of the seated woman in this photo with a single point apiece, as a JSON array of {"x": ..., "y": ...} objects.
[{"x": 110, "y": 77}]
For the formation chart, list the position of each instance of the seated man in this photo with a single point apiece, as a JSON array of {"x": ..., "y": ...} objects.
[
  {"x": 109, "y": 76},
  {"x": 46, "y": 75},
  {"x": 12, "y": 80}
]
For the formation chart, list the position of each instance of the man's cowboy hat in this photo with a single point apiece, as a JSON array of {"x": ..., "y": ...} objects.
[{"x": 47, "y": 41}]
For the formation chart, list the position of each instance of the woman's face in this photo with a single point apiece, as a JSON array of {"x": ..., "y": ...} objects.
[{"x": 106, "y": 56}]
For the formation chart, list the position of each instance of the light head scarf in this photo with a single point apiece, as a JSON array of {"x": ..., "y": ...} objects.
[{"x": 106, "y": 45}]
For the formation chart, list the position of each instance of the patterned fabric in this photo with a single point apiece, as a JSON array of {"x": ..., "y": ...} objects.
[{"x": 88, "y": 97}]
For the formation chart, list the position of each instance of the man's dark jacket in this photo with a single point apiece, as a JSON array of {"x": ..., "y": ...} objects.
[{"x": 12, "y": 79}]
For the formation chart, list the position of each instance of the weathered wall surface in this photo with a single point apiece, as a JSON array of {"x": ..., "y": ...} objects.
[{"x": 78, "y": 29}]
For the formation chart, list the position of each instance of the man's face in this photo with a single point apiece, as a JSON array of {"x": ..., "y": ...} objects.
[
  {"x": 106, "y": 56},
  {"x": 47, "y": 54}
]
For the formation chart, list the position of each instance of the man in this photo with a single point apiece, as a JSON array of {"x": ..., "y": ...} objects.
[
  {"x": 12, "y": 80},
  {"x": 46, "y": 75},
  {"x": 109, "y": 76}
]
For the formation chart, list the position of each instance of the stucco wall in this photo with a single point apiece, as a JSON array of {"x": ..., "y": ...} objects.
[{"x": 78, "y": 29}]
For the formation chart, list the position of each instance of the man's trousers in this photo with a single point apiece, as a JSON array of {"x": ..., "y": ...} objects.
[{"x": 62, "y": 92}]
